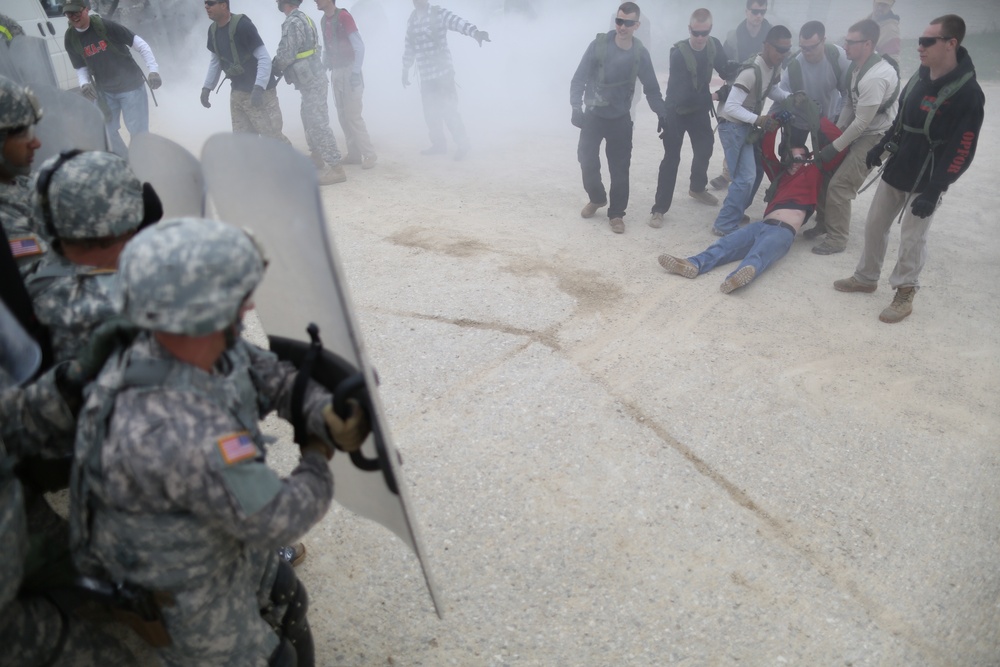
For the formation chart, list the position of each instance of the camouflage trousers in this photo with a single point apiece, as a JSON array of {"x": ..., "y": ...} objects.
[
  {"x": 348, "y": 103},
  {"x": 220, "y": 623},
  {"x": 316, "y": 122},
  {"x": 31, "y": 631},
  {"x": 264, "y": 120}
]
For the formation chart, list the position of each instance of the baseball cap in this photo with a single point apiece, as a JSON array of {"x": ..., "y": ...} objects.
[{"x": 75, "y": 6}]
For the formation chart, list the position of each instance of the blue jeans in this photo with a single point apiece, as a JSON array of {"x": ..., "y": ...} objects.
[
  {"x": 741, "y": 158},
  {"x": 133, "y": 105},
  {"x": 758, "y": 244}
]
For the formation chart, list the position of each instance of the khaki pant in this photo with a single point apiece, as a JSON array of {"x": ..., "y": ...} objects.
[
  {"x": 264, "y": 120},
  {"x": 843, "y": 188},
  {"x": 884, "y": 211},
  {"x": 348, "y": 103}
]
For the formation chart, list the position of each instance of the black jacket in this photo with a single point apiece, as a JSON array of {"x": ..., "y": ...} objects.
[
  {"x": 682, "y": 96},
  {"x": 956, "y": 126}
]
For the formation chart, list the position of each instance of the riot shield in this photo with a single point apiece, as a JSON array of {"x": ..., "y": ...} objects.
[
  {"x": 267, "y": 186},
  {"x": 173, "y": 172},
  {"x": 7, "y": 66},
  {"x": 68, "y": 121},
  {"x": 31, "y": 59}
]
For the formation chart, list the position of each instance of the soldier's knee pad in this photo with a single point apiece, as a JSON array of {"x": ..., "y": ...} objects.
[
  {"x": 289, "y": 592},
  {"x": 283, "y": 656}
]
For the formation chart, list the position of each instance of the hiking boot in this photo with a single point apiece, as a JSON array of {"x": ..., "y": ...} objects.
[
  {"x": 719, "y": 182},
  {"x": 901, "y": 306},
  {"x": 294, "y": 554},
  {"x": 590, "y": 209},
  {"x": 739, "y": 279},
  {"x": 704, "y": 197},
  {"x": 368, "y": 161},
  {"x": 825, "y": 248},
  {"x": 331, "y": 175},
  {"x": 351, "y": 159},
  {"x": 814, "y": 232},
  {"x": 719, "y": 232},
  {"x": 434, "y": 150},
  {"x": 617, "y": 225},
  {"x": 681, "y": 267},
  {"x": 656, "y": 220},
  {"x": 852, "y": 284}
]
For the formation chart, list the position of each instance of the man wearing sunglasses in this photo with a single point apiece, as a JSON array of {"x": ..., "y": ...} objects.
[
  {"x": 98, "y": 49},
  {"x": 688, "y": 107},
  {"x": 869, "y": 106},
  {"x": 930, "y": 144},
  {"x": 818, "y": 70},
  {"x": 741, "y": 115},
  {"x": 239, "y": 52},
  {"x": 601, "y": 97}
]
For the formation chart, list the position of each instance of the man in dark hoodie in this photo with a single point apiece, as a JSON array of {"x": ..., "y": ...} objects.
[{"x": 931, "y": 143}]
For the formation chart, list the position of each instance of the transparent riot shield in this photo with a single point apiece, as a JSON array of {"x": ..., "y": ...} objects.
[
  {"x": 173, "y": 172},
  {"x": 272, "y": 189}
]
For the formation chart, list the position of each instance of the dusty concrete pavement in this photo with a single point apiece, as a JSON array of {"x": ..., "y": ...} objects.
[{"x": 615, "y": 466}]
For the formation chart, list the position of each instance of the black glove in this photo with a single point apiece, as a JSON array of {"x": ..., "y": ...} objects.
[
  {"x": 577, "y": 118},
  {"x": 257, "y": 97},
  {"x": 88, "y": 91},
  {"x": 925, "y": 203},
  {"x": 828, "y": 153},
  {"x": 355, "y": 80},
  {"x": 154, "y": 80},
  {"x": 204, "y": 98},
  {"x": 481, "y": 36},
  {"x": 874, "y": 157},
  {"x": 104, "y": 340},
  {"x": 661, "y": 124},
  {"x": 723, "y": 92}
]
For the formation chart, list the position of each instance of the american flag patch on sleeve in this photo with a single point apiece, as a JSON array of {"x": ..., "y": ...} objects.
[
  {"x": 237, "y": 447},
  {"x": 25, "y": 246}
]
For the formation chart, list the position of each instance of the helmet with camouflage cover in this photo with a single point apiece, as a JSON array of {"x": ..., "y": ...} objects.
[
  {"x": 90, "y": 195},
  {"x": 18, "y": 106},
  {"x": 189, "y": 275}
]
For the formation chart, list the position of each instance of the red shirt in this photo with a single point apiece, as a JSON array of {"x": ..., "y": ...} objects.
[
  {"x": 336, "y": 37},
  {"x": 801, "y": 189}
]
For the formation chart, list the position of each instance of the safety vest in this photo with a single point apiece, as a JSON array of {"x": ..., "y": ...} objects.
[
  {"x": 234, "y": 68},
  {"x": 795, "y": 79},
  {"x": 759, "y": 90},
  {"x": 684, "y": 46},
  {"x": 868, "y": 64}
]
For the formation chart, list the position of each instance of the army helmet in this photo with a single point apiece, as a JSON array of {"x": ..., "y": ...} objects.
[
  {"x": 89, "y": 195},
  {"x": 189, "y": 275},
  {"x": 18, "y": 106}
]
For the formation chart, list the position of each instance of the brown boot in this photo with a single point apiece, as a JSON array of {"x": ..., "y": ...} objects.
[
  {"x": 678, "y": 265},
  {"x": 852, "y": 284},
  {"x": 591, "y": 208},
  {"x": 332, "y": 175},
  {"x": 617, "y": 225},
  {"x": 901, "y": 306},
  {"x": 739, "y": 279}
]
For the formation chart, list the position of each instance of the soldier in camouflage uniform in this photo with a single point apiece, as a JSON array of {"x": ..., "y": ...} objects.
[
  {"x": 171, "y": 491},
  {"x": 33, "y": 630},
  {"x": 298, "y": 59},
  {"x": 92, "y": 204},
  {"x": 19, "y": 113},
  {"x": 9, "y": 28}
]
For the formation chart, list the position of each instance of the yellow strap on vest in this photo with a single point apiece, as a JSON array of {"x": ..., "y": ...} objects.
[
  {"x": 6, "y": 33},
  {"x": 305, "y": 54}
]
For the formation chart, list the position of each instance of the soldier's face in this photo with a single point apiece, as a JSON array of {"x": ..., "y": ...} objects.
[
  {"x": 755, "y": 15},
  {"x": 812, "y": 49},
  {"x": 699, "y": 34},
  {"x": 19, "y": 150},
  {"x": 626, "y": 24}
]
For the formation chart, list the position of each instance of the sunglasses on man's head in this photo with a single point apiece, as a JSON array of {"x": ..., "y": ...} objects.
[
  {"x": 758, "y": 12},
  {"x": 628, "y": 23},
  {"x": 700, "y": 33},
  {"x": 928, "y": 42}
]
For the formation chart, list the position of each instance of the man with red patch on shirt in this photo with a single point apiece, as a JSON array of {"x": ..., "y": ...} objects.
[
  {"x": 344, "y": 56},
  {"x": 930, "y": 144},
  {"x": 761, "y": 244}
]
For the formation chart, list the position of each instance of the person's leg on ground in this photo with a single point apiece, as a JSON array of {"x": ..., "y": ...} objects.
[
  {"x": 729, "y": 248},
  {"x": 699, "y": 128},
  {"x": 884, "y": 209},
  {"x": 772, "y": 243}
]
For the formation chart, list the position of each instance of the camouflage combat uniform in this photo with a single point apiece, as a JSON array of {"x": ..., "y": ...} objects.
[
  {"x": 298, "y": 57},
  {"x": 170, "y": 490},
  {"x": 27, "y": 244},
  {"x": 31, "y": 626},
  {"x": 9, "y": 28}
]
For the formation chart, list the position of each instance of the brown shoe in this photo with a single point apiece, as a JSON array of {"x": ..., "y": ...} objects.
[
  {"x": 368, "y": 161},
  {"x": 739, "y": 279},
  {"x": 901, "y": 306},
  {"x": 681, "y": 267},
  {"x": 590, "y": 209},
  {"x": 719, "y": 182},
  {"x": 704, "y": 197},
  {"x": 852, "y": 284},
  {"x": 331, "y": 175},
  {"x": 826, "y": 248},
  {"x": 617, "y": 225},
  {"x": 656, "y": 220}
]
